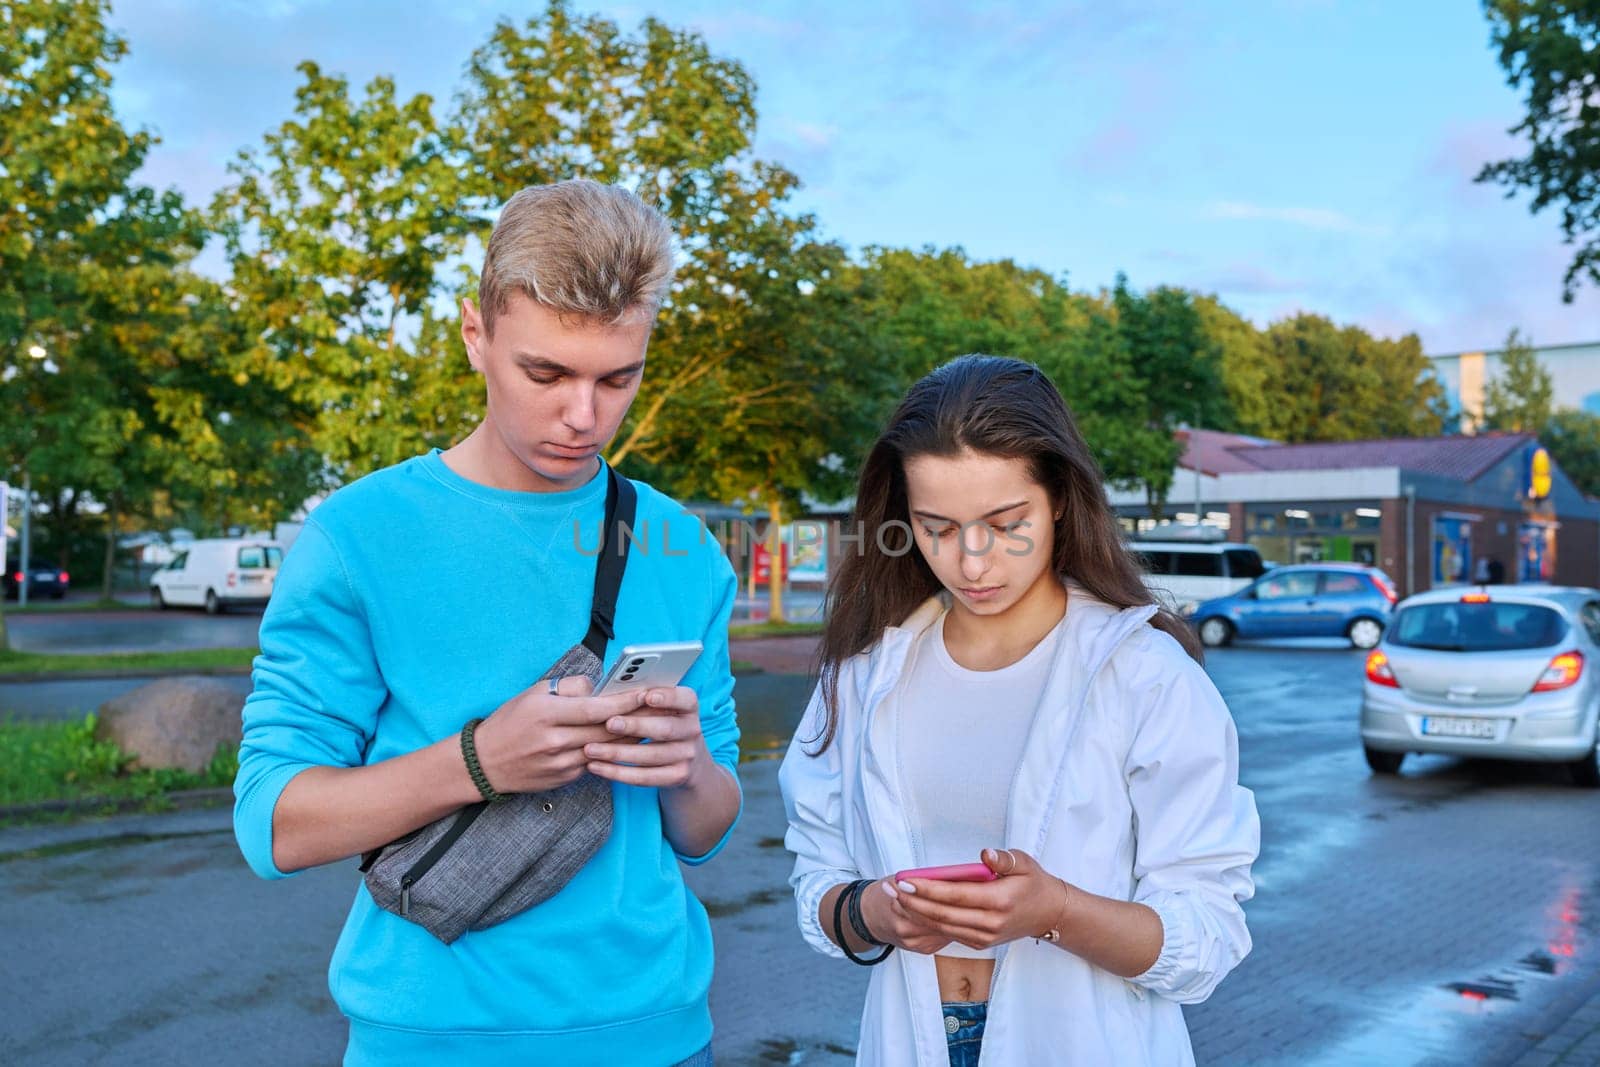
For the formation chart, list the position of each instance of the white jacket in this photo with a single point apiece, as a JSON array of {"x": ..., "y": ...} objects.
[{"x": 1128, "y": 787}]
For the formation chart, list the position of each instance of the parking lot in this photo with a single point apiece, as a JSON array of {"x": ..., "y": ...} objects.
[{"x": 1448, "y": 916}]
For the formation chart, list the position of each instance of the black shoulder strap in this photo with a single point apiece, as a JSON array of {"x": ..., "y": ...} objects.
[{"x": 621, "y": 505}]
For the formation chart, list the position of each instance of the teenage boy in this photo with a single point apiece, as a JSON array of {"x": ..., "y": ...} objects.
[{"x": 439, "y": 590}]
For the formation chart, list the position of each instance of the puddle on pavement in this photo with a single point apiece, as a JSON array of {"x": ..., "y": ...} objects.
[
  {"x": 769, "y": 707},
  {"x": 1435, "y": 1024},
  {"x": 794, "y": 1053},
  {"x": 720, "y": 909}
]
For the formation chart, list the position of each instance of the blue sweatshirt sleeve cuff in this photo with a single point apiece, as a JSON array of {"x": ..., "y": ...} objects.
[{"x": 253, "y": 805}]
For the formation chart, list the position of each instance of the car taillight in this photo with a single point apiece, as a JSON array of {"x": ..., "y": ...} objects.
[
  {"x": 1386, "y": 589},
  {"x": 65, "y": 578},
  {"x": 1378, "y": 670},
  {"x": 1475, "y": 598},
  {"x": 17, "y": 577},
  {"x": 1562, "y": 672}
]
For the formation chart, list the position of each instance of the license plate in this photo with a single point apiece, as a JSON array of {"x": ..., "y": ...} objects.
[
  {"x": 44, "y": 576},
  {"x": 1443, "y": 726}
]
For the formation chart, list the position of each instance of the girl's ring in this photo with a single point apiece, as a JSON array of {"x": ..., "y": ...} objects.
[{"x": 1010, "y": 857}]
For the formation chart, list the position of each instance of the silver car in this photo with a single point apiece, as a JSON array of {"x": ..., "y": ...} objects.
[{"x": 1498, "y": 672}]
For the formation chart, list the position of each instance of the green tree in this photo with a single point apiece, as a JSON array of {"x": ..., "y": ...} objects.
[
  {"x": 1097, "y": 372},
  {"x": 1243, "y": 366},
  {"x": 571, "y": 96},
  {"x": 1519, "y": 398},
  {"x": 1180, "y": 380},
  {"x": 931, "y": 306},
  {"x": 1551, "y": 49},
  {"x": 92, "y": 277},
  {"x": 748, "y": 391},
  {"x": 339, "y": 232},
  {"x": 566, "y": 96},
  {"x": 799, "y": 392},
  {"x": 1573, "y": 438},
  {"x": 1332, "y": 383}
]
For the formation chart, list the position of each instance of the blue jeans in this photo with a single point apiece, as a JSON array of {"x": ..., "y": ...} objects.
[
  {"x": 963, "y": 1030},
  {"x": 703, "y": 1059}
]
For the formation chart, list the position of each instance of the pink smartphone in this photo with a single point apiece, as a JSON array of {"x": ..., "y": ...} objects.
[{"x": 956, "y": 872}]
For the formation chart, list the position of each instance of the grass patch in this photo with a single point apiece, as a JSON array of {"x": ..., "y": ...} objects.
[
  {"x": 192, "y": 659},
  {"x": 774, "y": 629},
  {"x": 42, "y": 761}
]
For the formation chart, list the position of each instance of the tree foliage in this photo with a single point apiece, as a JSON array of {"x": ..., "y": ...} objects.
[
  {"x": 339, "y": 232},
  {"x": 1573, "y": 438},
  {"x": 1520, "y": 397},
  {"x": 1550, "y": 49},
  {"x": 1322, "y": 382},
  {"x": 351, "y": 230}
]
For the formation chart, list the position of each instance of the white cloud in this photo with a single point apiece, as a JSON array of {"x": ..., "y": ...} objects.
[{"x": 1315, "y": 218}]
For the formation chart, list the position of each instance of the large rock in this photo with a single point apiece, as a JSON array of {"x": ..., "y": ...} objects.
[{"x": 173, "y": 722}]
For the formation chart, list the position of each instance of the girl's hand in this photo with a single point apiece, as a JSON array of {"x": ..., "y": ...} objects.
[
  {"x": 1025, "y": 901},
  {"x": 889, "y": 922}
]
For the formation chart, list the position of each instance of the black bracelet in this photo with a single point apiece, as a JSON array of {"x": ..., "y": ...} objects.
[
  {"x": 857, "y": 921},
  {"x": 838, "y": 927},
  {"x": 838, "y": 915},
  {"x": 469, "y": 752}
]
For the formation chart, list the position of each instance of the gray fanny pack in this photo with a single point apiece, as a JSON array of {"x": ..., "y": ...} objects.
[{"x": 488, "y": 862}]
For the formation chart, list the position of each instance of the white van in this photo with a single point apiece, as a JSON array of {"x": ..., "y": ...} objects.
[
  {"x": 1185, "y": 574},
  {"x": 215, "y": 573}
]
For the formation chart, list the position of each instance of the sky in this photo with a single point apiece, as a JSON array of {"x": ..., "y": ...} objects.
[{"x": 1286, "y": 155}]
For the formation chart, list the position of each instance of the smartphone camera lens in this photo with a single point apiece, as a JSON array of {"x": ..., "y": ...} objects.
[{"x": 637, "y": 662}]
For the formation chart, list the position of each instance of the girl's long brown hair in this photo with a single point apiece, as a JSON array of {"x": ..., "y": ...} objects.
[{"x": 998, "y": 407}]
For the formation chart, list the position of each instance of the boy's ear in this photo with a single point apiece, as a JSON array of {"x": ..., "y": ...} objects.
[{"x": 472, "y": 333}]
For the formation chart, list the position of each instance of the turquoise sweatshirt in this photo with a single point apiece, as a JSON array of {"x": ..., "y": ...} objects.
[{"x": 412, "y": 601}]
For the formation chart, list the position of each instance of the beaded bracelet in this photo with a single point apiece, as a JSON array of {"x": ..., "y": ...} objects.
[{"x": 469, "y": 752}]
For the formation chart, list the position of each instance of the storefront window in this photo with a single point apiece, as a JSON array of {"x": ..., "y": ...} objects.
[
  {"x": 1452, "y": 550},
  {"x": 1536, "y": 552},
  {"x": 1341, "y": 533},
  {"x": 1274, "y": 549}
]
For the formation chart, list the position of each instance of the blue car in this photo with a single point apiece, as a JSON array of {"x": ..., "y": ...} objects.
[{"x": 1311, "y": 600}]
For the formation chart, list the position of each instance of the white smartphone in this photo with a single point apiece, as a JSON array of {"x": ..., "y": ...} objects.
[{"x": 653, "y": 666}]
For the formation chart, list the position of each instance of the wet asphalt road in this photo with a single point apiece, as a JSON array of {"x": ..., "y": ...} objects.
[
  {"x": 1448, "y": 916},
  {"x": 134, "y": 631},
  {"x": 183, "y": 628}
]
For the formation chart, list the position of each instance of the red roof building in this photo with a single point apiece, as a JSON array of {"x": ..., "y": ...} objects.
[{"x": 1428, "y": 510}]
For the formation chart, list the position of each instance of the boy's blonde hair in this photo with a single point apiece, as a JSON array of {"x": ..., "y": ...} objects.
[{"x": 582, "y": 249}]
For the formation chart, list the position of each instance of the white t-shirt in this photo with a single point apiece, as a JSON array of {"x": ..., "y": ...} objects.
[{"x": 961, "y": 739}]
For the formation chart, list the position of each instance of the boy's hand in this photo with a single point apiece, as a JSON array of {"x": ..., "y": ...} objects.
[
  {"x": 669, "y": 719},
  {"x": 535, "y": 741}
]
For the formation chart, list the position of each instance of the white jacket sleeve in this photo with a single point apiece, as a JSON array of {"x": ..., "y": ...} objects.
[
  {"x": 812, "y": 798},
  {"x": 1196, "y": 828}
]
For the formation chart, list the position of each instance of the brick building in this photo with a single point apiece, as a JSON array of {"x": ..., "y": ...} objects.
[{"x": 1429, "y": 511}]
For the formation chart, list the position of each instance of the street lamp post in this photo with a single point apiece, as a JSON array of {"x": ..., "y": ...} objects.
[
  {"x": 27, "y": 538},
  {"x": 38, "y": 353}
]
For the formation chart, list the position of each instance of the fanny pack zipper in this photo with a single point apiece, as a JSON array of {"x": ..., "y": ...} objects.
[{"x": 433, "y": 855}]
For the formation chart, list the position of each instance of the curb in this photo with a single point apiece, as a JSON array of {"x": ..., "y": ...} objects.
[
  {"x": 111, "y": 674},
  {"x": 180, "y": 799}
]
